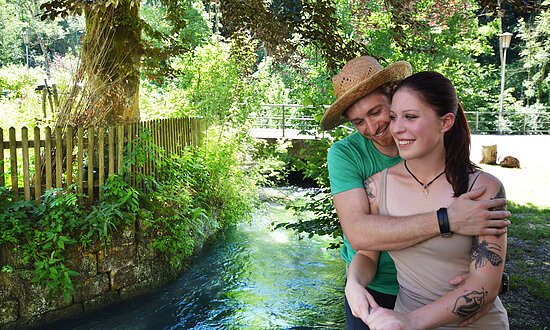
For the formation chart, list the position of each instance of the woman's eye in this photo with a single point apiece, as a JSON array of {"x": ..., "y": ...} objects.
[{"x": 392, "y": 118}]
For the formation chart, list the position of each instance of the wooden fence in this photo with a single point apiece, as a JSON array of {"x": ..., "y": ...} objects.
[{"x": 85, "y": 156}]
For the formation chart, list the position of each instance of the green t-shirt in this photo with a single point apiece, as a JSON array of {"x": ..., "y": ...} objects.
[{"x": 351, "y": 161}]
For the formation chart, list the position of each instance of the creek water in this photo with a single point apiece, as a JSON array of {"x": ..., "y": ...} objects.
[{"x": 252, "y": 278}]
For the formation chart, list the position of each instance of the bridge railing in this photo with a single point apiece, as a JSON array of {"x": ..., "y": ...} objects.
[{"x": 286, "y": 117}]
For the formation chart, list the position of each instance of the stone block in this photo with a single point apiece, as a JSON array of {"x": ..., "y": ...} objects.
[
  {"x": 34, "y": 299},
  {"x": 85, "y": 264},
  {"x": 123, "y": 277},
  {"x": 116, "y": 257},
  {"x": 91, "y": 287}
]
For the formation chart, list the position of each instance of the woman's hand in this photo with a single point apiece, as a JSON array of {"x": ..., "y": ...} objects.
[
  {"x": 387, "y": 319},
  {"x": 359, "y": 299}
]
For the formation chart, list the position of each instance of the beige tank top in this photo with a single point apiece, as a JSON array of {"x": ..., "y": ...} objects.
[{"x": 424, "y": 271}]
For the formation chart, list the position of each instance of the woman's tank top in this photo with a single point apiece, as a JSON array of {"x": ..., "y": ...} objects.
[{"x": 424, "y": 271}]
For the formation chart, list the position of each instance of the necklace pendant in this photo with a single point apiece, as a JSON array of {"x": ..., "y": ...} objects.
[{"x": 425, "y": 190}]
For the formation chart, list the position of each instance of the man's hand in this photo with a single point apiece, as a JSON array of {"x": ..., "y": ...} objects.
[
  {"x": 458, "y": 281},
  {"x": 387, "y": 319},
  {"x": 470, "y": 217},
  {"x": 359, "y": 299}
]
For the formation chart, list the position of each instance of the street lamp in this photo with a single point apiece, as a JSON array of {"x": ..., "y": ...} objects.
[
  {"x": 505, "y": 39},
  {"x": 26, "y": 41}
]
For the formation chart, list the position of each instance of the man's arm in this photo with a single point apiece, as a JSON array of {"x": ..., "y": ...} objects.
[{"x": 385, "y": 233}]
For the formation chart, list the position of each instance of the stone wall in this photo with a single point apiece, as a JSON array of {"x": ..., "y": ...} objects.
[{"x": 128, "y": 267}]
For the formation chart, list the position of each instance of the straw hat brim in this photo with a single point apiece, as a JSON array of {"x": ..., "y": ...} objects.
[{"x": 394, "y": 72}]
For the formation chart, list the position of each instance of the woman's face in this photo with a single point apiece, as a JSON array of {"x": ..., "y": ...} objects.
[{"x": 415, "y": 126}]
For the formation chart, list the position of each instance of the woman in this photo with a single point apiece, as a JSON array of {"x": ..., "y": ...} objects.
[{"x": 430, "y": 128}]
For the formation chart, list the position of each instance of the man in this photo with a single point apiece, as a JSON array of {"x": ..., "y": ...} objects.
[{"x": 362, "y": 90}]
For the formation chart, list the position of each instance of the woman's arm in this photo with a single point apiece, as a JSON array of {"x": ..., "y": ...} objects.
[
  {"x": 480, "y": 289},
  {"x": 361, "y": 271}
]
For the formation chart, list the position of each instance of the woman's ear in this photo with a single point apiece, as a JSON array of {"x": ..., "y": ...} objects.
[{"x": 447, "y": 122}]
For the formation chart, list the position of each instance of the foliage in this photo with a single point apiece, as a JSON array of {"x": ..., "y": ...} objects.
[
  {"x": 283, "y": 26},
  {"x": 534, "y": 55},
  {"x": 316, "y": 216},
  {"x": 201, "y": 191}
]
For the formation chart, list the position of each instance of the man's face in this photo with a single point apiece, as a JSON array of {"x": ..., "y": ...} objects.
[{"x": 370, "y": 116}]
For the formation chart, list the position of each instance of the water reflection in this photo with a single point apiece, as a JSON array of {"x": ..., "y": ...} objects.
[{"x": 253, "y": 278}]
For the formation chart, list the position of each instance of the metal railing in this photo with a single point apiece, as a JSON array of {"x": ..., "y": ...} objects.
[{"x": 287, "y": 116}]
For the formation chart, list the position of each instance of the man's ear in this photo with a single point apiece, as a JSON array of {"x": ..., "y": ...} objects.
[{"x": 447, "y": 121}]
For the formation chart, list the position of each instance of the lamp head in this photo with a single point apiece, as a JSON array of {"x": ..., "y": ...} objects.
[
  {"x": 505, "y": 40},
  {"x": 26, "y": 37}
]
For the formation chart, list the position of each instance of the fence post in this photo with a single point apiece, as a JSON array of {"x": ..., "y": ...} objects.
[
  {"x": 37, "y": 164},
  {"x": 477, "y": 122},
  {"x": 13, "y": 162},
  {"x": 283, "y": 123},
  {"x": 524, "y": 123},
  {"x": 26, "y": 162},
  {"x": 2, "y": 180}
]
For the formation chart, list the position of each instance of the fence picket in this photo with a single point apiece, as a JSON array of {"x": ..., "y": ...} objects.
[
  {"x": 13, "y": 161},
  {"x": 101, "y": 155},
  {"x": 69, "y": 155},
  {"x": 48, "y": 158},
  {"x": 37, "y": 164},
  {"x": 26, "y": 167},
  {"x": 58, "y": 158},
  {"x": 80, "y": 159},
  {"x": 120, "y": 147},
  {"x": 90, "y": 158},
  {"x": 2, "y": 179},
  {"x": 111, "y": 134}
]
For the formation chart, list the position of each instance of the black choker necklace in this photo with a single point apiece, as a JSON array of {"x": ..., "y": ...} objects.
[{"x": 424, "y": 185}]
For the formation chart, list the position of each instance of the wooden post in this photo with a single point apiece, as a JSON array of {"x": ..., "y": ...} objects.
[
  {"x": 101, "y": 155},
  {"x": 120, "y": 148},
  {"x": 48, "y": 155},
  {"x": 111, "y": 150},
  {"x": 13, "y": 162},
  {"x": 26, "y": 167},
  {"x": 80, "y": 160},
  {"x": 90, "y": 164},
  {"x": 69, "y": 155},
  {"x": 58, "y": 158},
  {"x": 37, "y": 164},
  {"x": 2, "y": 179}
]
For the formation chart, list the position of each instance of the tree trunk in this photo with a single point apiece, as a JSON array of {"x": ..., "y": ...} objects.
[
  {"x": 106, "y": 88},
  {"x": 117, "y": 74}
]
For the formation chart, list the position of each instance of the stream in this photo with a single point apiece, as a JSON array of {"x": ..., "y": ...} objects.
[{"x": 251, "y": 278}]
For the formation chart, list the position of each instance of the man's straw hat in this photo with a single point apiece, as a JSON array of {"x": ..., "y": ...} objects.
[{"x": 360, "y": 77}]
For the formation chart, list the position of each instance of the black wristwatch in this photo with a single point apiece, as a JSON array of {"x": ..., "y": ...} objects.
[{"x": 504, "y": 284}]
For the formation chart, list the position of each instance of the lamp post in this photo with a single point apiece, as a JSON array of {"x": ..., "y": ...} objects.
[
  {"x": 505, "y": 39},
  {"x": 26, "y": 41}
]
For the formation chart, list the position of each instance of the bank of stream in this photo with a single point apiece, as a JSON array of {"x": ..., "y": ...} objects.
[{"x": 252, "y": 278}]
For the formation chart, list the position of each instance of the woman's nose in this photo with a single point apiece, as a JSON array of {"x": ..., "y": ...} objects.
[{"x": 396, "y": 126}]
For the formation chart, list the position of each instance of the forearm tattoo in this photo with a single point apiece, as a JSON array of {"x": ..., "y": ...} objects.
[
  {"x": 483, "y": 252},
  {"x": 469, "y": 303},
  {"x": 369, "y": 187}
]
